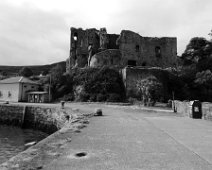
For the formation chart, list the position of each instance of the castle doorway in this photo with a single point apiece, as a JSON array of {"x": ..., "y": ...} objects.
[{"x": 131, "y": 63}]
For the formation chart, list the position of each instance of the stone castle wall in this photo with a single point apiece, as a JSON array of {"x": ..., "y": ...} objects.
[
  {"x": 79, "y": 42},
  {"x": 147, "y": 51},
  {"x": 133, "y": 74},
  {"x": 127, "y": 49},
  {"x": 142, "y": 51},
  {"x": 106, "y": 58}
]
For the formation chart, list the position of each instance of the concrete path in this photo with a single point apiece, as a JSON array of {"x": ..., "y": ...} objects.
[{"x": 126, "y": 138}]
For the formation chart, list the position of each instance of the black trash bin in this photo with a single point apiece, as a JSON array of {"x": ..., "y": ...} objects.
[{"x": 196, "y": 109}]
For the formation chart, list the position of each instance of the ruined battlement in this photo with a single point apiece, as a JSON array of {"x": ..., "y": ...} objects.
[{"x": 131, "y": 49}]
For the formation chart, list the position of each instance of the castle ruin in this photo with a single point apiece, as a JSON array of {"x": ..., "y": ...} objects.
[{"x": 97, "y": 48}]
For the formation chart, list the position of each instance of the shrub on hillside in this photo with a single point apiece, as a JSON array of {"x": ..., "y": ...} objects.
[
  {"x": 114, "y": 97},
  {"x": 60, "y": 91},
  {"x": 83, "y": 97},
  {"x": 25, "y": 71},
  {"x": 99, "y": 81},
  {"x": 90, "y": 84},
  {"x": 101, "y": 98},
  {"x": 132, "y": 100},
  {"x": 150, "y": 89},
  {"x": 68, "y": 97},
  {"x": 93, "y": 97}
]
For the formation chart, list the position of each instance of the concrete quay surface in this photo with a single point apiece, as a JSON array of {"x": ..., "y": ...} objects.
[
  {"x": 129, "y": 138},
  {"x": 126, "y": 138}
]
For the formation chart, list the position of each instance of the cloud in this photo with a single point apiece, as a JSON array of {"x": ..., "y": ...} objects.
[
  {"x": 32, "y": 36},
  {"x": 181, "y": 19},
  {"x": 37, "y": 31}
]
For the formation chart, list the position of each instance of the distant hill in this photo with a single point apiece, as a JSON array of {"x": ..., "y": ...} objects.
[{"x": 36, "y": 69}]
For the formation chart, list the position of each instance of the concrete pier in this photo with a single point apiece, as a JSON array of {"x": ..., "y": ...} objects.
[{"x": 124, "y": 138}]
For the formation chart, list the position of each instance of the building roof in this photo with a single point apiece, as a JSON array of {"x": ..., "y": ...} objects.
[
  {"x": 12, "y": 80},
  {"x": 38, "y": 92}
]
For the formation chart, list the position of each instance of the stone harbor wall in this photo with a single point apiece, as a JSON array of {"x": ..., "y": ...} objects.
[
  {"x": 44, "y": 118},
  {"x": 50, "y": 148},
  {"x": 11, "y": 114},
  {"x": 47, "y": 119}
]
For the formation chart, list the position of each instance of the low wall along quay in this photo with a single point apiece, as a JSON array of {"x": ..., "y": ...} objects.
[{"x": 184, "y": 108}]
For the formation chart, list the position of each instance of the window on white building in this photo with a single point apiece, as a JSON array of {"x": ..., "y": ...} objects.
[{"x": 9, "y": 94}]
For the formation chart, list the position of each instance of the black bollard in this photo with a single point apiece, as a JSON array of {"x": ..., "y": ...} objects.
[{"x": 98, "y": 112}]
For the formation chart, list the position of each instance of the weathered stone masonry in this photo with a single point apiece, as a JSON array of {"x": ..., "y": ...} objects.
[
  {"x": 133, "y": 74},
  {"x": 45, "y": 119},
  {"x": 184, "y": 109},
  {"x": 147, "y": 51},
  {"x": 97, "y": 48},
  {"x": 11, "y": 114}
]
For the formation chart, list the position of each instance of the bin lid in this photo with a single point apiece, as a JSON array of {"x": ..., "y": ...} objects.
[
  {"x": 191, "y": 103},
  {"x": 194, "y": 101}
]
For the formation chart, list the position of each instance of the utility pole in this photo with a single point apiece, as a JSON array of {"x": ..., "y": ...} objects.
[
  {"x": 173, "y": 102},
  {"x": 49, "y": 88},
  {"x": 173, "y": 95}
]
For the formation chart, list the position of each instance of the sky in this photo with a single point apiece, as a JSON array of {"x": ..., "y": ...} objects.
[{"x": 37, "y": 32}]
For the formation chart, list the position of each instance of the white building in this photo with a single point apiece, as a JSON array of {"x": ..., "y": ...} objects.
[{"x": 15, "y": 89}]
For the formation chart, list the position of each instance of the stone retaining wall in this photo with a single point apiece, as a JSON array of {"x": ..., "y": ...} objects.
[
  {"x": 185, "y": 109},
  {"x": 42, "y": 118},
  {"x": 50, "y": 148},
  {"x": 11, "y": 114},
  {"x": 132, "y": 75}
]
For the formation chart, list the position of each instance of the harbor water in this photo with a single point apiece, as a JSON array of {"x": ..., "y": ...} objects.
[{"x": 14, "y": 140}]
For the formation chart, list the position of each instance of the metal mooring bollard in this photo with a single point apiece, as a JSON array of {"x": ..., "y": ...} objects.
[{"x": 62, "y": 104}]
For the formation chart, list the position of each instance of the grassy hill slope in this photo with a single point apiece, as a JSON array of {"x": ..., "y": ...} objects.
[{"x": 36, "y": 69}]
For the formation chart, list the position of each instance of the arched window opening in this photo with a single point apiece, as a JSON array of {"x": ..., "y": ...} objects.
[
  {"x": 75, "y": 37},
  {"x": 158, "y": 52},
  {"x": 131, "y": 63},
  {"x": 144, "y": 63},
  {"x": 137, "y": 48}
]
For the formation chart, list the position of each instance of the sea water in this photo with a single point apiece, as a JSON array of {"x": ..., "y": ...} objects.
[{"x": 13, "y": 140}]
